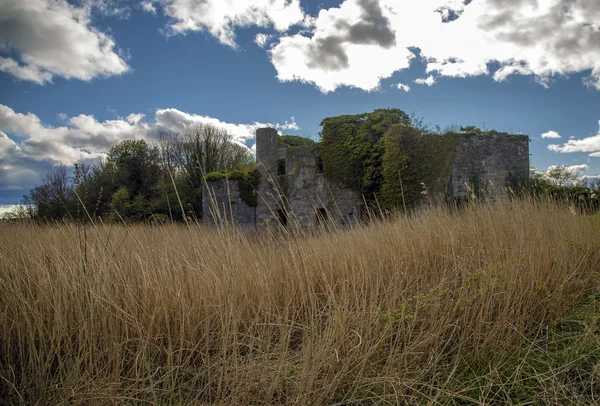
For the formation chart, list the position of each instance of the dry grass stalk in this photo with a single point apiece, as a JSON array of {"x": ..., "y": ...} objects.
[{"x": 399, "y": 312}]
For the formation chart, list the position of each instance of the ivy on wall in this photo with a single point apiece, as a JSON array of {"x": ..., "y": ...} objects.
[
  {"x": 416, "y": 165},
  {"x": 294, "y": 141},
  {"x": 352, "y": 148},
  {"x": 247, "y": 182}
]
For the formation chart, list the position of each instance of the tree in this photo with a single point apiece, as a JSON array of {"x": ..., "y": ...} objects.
[
  {"x": 187, "y": 158},
  {"x": 562, "y": 176},
  {"x": 54, "y": 199},
  {"x": 136, "y": 166}
]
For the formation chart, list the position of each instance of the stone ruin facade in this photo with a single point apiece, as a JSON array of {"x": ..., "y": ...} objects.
[{"x": 293, "y": 189}]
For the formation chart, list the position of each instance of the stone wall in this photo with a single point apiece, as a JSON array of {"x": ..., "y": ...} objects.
[
  {"x": 486, "y": 164},
  {"x": 221, "y": 203},
  {"x": 293, "y": 191},
  {"x": 311, "y": 196}
]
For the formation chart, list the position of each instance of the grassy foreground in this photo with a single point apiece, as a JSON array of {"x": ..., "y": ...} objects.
[{"x": 496, "y": 304}]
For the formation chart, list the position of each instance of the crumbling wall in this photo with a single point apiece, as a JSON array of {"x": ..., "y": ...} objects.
[
  {"x": 221, "y": 203},
  {"x": 311, "y": 195},
  {"x": 487, "y": 164},
  {"x": 291, "y": 189}
]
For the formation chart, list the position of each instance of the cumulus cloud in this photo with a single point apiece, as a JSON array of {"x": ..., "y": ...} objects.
[
  {"x": 588, "y": 144},
  {"x": 177, "y": 121},
  {"x": 220, "y": 18},
  {"x": 404, "y": 87},
  {"x": 342, "y": 48},
  {"x": 33, "y": 147},
  {"x": 455, "y": 38},
  {"x": 55, "y": 38},
  {"x": 551, "y": 134}
]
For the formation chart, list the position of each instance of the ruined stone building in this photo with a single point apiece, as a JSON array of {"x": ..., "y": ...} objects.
[{"x": 293, "y": 188}]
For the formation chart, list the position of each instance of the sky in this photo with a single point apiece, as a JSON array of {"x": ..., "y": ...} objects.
[{"x": 77, "y": 77}]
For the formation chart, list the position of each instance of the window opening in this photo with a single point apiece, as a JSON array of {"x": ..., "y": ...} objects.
[
  {"x": 281, "y": 167},
  {"x": 319, "y": 164}
]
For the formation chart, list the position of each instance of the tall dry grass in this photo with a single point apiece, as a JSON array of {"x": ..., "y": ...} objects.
[{"x": 494, "y": 304}]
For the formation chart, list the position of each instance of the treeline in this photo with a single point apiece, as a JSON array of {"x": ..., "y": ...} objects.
[{"x": 139, "y": 181}]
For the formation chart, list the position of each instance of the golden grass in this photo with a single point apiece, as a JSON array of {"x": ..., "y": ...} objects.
[{"x": 483, "y": 306}]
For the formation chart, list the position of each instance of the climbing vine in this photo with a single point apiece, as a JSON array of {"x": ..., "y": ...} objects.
[
  {"x": 416, "y": 165},
  {"x": 351, "y": 147}
]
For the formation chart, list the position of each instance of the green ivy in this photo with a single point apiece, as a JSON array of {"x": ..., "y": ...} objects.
[
  {"x": 352, "y": 148},
  {"x": 294, "y": 141},
  {"x": 247, "y": 182},
  {"x": 416, "y": 165}
]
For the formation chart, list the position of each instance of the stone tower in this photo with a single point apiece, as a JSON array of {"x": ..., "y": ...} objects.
[{"x": 268, "y": 191}]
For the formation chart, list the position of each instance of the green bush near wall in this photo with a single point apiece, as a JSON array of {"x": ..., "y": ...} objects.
[{"x": 247, "y": 181}]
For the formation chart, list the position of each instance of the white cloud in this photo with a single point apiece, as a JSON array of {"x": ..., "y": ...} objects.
[
  {"x": 404, "y": 87},
  {"x": 577, "y": 168},
  {"x": 148, "y": 7},
  {"x": 220, "y": 18},
  {"x": 589, "y": 179},
  {"x": 7, "y": 209},
  {"x": 576, "y": 175},
  {"x": 262, "y": 39},
  {"x": 551, "y": 134},
  {"x": 84, "y": 137},
  {"x": 176, "y": 120},
  {"x": 429, "y": 81},
  {"x": 588, "y": 144},
  {"x": 55, "y": 38},
  {"x": 543, "y": 38},
  {"x": 33, "y": 147}
]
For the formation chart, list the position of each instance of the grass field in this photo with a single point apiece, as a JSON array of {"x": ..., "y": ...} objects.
[{"x": 495, "y": 304}]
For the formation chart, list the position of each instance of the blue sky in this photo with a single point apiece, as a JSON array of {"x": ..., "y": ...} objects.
[{"x": 77, "y": 77}]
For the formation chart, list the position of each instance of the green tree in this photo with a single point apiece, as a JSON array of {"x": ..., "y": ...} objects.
[{"x": 135, "y": 165}]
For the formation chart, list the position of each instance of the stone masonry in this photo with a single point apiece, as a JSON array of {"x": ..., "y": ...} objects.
[
  {"x": 486, "y": 164},
  {"x": 221, "y": 202},
  {"x": 294, "y": 191}
]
